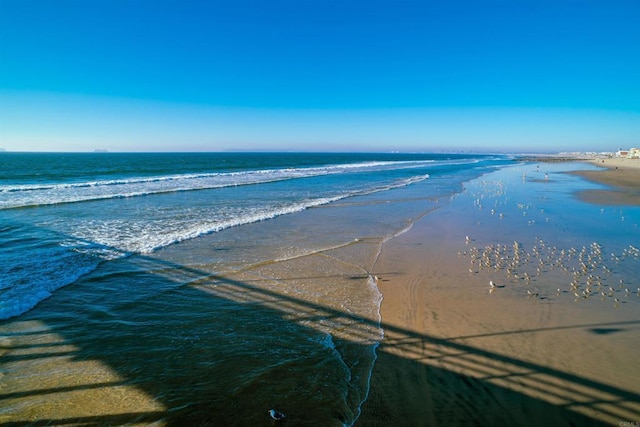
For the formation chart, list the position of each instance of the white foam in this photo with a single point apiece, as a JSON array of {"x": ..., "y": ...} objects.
[
  {"x": 23, "y": 295},
  {"x": 327, "y": 342},
  {"x": 372, "y": 283},
  {"x": 146, "y": 236},
  {"x": 112, "y": 238},
  {"x": 14, "y": 196}
]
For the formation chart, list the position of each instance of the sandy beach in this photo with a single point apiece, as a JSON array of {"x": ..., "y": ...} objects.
[
  {"x": 623, "y": 175},
  {"x": 513, "y": 302},
  {"x": 475, "y": 335}
]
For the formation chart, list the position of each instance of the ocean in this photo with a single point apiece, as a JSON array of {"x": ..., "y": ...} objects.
[{"x": 206, "y": 288}]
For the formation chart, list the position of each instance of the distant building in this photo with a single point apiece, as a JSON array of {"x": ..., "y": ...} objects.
[{"x": 634, "y": 153}]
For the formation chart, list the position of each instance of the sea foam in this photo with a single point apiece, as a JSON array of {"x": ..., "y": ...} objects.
[{"x": 15, "y": 196}]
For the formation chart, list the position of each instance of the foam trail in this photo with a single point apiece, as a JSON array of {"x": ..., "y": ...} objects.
[
  {"x": 112, "y": 239},
  {"x": 15, "y": 196},
  {"x": 150, "y": 236}
]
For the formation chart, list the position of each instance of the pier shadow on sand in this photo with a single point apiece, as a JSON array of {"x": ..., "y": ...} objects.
[{"x": 168, "y": 343}]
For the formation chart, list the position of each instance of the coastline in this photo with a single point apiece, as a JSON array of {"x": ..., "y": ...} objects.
[
  {"x": 457, "y": 352},
  {"x": 622, "y": 175},
  {"x": 219, "y": 329}
]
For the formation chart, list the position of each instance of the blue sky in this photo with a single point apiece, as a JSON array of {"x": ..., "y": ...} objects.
[{"x": 318, "y": 75}]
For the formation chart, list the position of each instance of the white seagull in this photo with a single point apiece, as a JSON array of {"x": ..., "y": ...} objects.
[{"x": 276, "y": 415}]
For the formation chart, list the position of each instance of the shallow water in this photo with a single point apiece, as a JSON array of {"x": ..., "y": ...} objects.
[
  {"x": 551, "y": 244},
  {"x": 207, "y": 305},
  {"x": 456, "y": 351}
]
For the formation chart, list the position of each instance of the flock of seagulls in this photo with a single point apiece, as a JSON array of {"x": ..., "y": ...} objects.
[
  {"x": 588, "y": 271},
  {"x": 543, "y": 271}
]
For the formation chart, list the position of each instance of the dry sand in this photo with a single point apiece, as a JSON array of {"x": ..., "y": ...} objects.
[{"x": 456, "y": 352}]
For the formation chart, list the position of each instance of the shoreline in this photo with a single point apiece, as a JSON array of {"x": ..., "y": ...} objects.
[
  {"x": 456, "y": 351},
  {"x": 622, "y": 175}
]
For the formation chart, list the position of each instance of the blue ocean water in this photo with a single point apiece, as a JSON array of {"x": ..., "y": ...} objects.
[
  {"x": 222, "y": 284},
  {"x": 63, "y": 214}
]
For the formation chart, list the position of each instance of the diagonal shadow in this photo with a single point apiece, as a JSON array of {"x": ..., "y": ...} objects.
[{"x": 187, "y": 342}]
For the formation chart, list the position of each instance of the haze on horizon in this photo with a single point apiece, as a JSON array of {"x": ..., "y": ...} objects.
[{"x": 522, "y": 76}]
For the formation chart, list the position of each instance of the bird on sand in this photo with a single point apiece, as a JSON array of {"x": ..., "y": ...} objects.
[{"x": 276, "y": 415}]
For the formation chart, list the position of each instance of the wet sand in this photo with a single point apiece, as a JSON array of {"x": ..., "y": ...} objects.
[
  {"x": 622, "y": 175},
  {"x": 455, "y": 351},
  {"x": 527, "y": 351}
]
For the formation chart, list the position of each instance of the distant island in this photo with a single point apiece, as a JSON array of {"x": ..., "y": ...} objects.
[{"x": 100, "y": 150}]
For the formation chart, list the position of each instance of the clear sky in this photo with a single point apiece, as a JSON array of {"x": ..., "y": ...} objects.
[{"x": 347, "y": 75}]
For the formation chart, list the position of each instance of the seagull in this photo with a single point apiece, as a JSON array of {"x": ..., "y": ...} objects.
[
  {"x": 492, "y": 285},
  {"x": 276, "y": 415}
]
